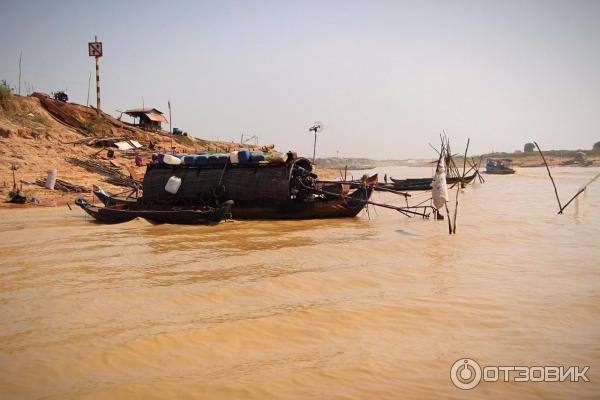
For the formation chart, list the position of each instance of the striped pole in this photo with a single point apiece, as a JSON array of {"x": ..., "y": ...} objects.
[
  {"x": 98, "y": 85},
  {"x": 97, "y": 82}
]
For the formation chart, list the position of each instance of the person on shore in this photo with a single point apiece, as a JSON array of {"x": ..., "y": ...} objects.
[{"x": 138, "y": 160}]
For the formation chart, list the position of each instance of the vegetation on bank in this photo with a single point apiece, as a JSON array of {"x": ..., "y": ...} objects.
[{"x": 4, "y": 92}]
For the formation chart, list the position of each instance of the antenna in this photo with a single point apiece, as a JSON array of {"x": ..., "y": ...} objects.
[
  {"x": 316, "y": 127},
  {"x": 20, "y": 59}
]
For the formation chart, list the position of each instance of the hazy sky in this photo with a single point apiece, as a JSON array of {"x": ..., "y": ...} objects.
[{"x": 384, "y": 77}]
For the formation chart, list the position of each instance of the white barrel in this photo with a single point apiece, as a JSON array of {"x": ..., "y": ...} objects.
[
  {"x": 171, "y": 160},
  {"x": 233, "y": 157},
  {"x": 51, "y": 179},
  {"x": 173, "y": 184}
]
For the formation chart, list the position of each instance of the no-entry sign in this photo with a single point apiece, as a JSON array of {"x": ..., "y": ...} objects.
[{"x": 95, "y": 49}]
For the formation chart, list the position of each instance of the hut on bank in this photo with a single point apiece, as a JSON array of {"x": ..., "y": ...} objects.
[{"x": 149, "y": 119}]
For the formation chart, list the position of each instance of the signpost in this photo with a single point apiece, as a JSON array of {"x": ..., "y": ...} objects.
[
  {"x": 317, "y": 127},
  {"x": 95, "y": 50}
]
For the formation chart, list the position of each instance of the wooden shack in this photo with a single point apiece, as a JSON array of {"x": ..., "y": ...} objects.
[{"x": 149, "y": 119}]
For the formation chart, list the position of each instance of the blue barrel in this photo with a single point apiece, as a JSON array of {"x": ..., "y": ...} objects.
[
  {"x": 189, "y": 160},
  {"x": 256, "y": 156},
  {"x": 202, "y": 159},
  {"x": 160, "y": 158},
  {"x": 243, "y": 156},
  {"x": 213, "y": 159},
  {"x": 223, "y": 158}
]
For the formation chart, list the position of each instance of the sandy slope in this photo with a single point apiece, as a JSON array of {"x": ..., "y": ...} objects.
[{"x": 36, "y": 134}]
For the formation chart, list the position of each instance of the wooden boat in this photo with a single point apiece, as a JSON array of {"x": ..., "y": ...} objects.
[
  {"x": 499, "y": 166},
  {"x": 415, "y": 184},
  {"x": 173, "y": 215},
  {"x": 324, "y": 204},
  {"x": 285, "y": 190}
]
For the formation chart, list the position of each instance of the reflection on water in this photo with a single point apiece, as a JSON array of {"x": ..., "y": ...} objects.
[{"x": 369, "y": 307}]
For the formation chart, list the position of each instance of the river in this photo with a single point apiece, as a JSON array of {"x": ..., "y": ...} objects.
[{"x": 374, "y": 307}]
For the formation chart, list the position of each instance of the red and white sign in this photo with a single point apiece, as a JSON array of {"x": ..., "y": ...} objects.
[{"x": 95, "y": 49}]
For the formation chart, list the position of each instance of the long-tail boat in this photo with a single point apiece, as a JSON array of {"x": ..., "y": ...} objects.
[
  {"x": 174, "y": 215},
  {"x": 414, "y": 184}
]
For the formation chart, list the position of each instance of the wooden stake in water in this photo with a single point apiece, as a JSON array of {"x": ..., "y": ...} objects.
[
  {"x": 460, "y": 185},
  {"x": 581, "y": 190},
  {"x": 560, "y": 208}
]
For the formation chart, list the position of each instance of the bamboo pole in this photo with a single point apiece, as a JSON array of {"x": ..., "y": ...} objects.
[
  {"x": 581, "y": 190},
  {"x": 460, "y": 185},
  {"x": 551, "y": 178}
]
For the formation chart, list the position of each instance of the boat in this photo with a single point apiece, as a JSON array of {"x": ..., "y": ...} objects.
[
  {"x": 424, "y": 184},
  {"x": 499, "y": 166},
  {"x": 173, "y": 215},
  {"x": 262, "y": 190}
]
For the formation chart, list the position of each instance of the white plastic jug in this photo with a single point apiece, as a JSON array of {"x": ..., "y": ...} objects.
[
  {"x": 171, "y": 160},
  {"x": 51, "y": 179},
  {"x": 173, "y": 184},
  {"x": 233, "y": 157}
]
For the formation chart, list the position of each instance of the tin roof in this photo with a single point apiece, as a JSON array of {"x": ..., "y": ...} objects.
[
  {"x": 156, "y": 117},
  {"x": 152, "y": 113},
  {"x": 143, "y": 111}
]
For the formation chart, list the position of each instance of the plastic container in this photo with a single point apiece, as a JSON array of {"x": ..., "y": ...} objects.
[
  {"x": 233, "y": 157},
  {"x": 173, "y": 184},
  {"x": 171, "y": 160},
  {"x": 223, "y": 158},
  {"x": 189, "y": 160},
  {"x": 256, "y": 156},
  {"x": 213, "y": 159},
  {"x": 243, "y": 156},
  {"x": 201, "y": 159},
  {"x": 160, "y": 157},
  {"x": 51, "y": 180}
]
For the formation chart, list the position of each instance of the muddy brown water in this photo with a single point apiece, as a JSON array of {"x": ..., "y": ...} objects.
[{"x": 377, "y": 306}]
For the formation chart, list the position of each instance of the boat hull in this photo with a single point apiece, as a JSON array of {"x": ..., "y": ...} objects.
[
  {"x": 423, "y": 184},
  {"x": 334, "y": 206},
  {"x": 500, "y": 172},
  {"x": 124, "y": 213}
]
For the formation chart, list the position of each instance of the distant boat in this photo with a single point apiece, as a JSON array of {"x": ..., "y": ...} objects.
[
  {"x": 499, "y": 166},
  {"x": 159, "y": 214},
  {"x": 424, "y": 184}
]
